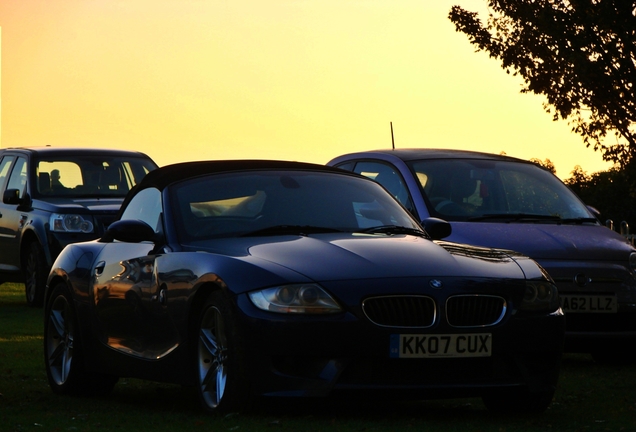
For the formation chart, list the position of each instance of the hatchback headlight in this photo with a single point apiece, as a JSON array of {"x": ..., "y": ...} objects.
[
  {"x": 540, "y": 296},
  {"x": 71, "y": 223},
  {"x": 295, "y": 299},
  {"x": 632, "y": 262}
]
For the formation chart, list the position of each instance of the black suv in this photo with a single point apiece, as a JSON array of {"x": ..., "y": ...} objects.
[{"x": 55, "y": 196}]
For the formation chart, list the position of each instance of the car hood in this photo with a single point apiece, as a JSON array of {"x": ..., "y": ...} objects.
[
  {"x": 325, "y": 257},
  {"x": 80, "y": 205},
  {"x": 546, "y": 241}
]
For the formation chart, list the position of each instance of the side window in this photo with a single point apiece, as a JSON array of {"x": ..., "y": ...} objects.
[
  {"x": 388, "y": 177},
  {"x": 4, "y": 169},
  {"x": 18, "y": 177},
  {"x": 347, "y": 166},
  {"x": 146, "y": 206}
]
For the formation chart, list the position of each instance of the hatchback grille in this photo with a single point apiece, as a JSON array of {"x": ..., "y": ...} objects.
[
  {"x": 475, "y": 310},
  {"x": 400, "y": 311}
]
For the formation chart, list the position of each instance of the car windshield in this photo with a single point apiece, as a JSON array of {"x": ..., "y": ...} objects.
[
  {"x": 89, "y": 176},
  {"x": 284, "y": 202},
  {"x": 482, "y": 190}
]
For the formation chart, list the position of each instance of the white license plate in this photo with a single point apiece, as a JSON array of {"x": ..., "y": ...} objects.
[
  {"x": 444, "y": 345},
  {"x": 571, "y": 303}
]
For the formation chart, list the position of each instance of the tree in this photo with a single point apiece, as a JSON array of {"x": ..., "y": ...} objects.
[
  {"x": 611, "y": 192},
  {"x": 546, "y": 164},
  {"x": 579, "y": 54}
]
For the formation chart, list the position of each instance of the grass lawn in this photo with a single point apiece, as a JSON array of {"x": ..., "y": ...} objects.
[{"x": 590, "y": 397}]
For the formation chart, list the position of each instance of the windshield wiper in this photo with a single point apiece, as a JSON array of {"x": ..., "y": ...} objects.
[
  {"x": 290, "y": 229},
  {"x": 579, "y": 220},
  {"x": 529, "y": 217},
  {"x": 394, "y": 229}
]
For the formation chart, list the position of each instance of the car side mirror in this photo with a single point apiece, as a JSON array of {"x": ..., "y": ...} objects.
[
  {"x": 11, "y": 196},
  {"x": 129, "y": 231},
  {"x": 594, "y": 211},
  {"x": 437, "y": 228}
]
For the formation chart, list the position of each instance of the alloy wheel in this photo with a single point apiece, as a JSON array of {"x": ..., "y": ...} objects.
[
  {"x": 212, "y": 357},
  {"x": 59, "y": 340}
]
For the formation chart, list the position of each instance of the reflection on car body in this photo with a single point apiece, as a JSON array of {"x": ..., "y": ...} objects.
[
  {"x": 503, "y": 202},
  {"x": 267, "y": 278}
]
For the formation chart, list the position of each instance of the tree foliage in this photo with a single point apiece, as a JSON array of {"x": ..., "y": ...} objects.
[
  {"x": 579, "y": 54},
  {"x": 547, "y": 164},
  {"x": 611, "y": 192}
]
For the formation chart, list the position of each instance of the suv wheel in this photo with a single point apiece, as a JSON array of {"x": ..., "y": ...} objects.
[{"x": 35, "y": 274}]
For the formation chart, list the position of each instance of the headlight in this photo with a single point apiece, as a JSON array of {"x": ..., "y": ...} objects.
[
  {"x": 70, "y": 223},
  {"x": 296, "y": 299},
  {"x": 632, "y": 261},
  {"x": 540, "y": 296}
]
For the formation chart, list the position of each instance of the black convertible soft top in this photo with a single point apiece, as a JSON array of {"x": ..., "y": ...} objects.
[{"x": 168, "y": 174}]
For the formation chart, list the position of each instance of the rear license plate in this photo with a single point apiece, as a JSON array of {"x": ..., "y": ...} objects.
[
  {"x": 588, "y": 303},
  {"x": 445, "y": 345}
]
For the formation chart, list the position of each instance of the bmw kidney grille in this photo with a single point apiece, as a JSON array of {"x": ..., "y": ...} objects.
[{"x": 421, "y": 311}]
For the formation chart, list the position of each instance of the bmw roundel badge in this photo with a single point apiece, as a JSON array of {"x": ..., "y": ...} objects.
[{"x": 435, "y": 283}]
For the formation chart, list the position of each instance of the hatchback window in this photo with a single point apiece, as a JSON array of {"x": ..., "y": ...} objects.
[
  {"x": 388, "y": 177},
  {"x": 465, "y": 189}
]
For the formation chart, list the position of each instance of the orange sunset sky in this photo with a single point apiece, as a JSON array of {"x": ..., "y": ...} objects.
[{"x": 300, "y": 80}]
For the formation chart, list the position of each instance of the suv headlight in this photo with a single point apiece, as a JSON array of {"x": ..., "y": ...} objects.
[
  {"x": 540, "y": 296},
  {"x": 295, "y": 299},
  {"x": 71, "y": 223}
]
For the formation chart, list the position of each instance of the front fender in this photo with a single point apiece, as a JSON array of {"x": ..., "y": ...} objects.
[
  {"x": 34, "y": 230},
  {"x": 190, "y": 269},
  {"x": 73, "y": 266}
]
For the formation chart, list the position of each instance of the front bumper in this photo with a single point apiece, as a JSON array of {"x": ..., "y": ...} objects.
[
  {"x": 320, "y": 356},
  {"x": 593, "y": 331}
]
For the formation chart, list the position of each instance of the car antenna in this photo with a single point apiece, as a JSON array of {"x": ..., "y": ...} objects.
[{"x": 392, "y": 139}]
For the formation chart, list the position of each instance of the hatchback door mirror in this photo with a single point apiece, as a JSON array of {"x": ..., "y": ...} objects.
[{"x": 594, "y": 211}]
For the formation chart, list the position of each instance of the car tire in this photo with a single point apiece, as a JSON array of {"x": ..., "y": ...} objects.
[
  {"x": 35, "y": 274},
  {"x": 63, "y": 352},
  {"x": 518, "y": 401},
  {"x": 222, "y": 384}
]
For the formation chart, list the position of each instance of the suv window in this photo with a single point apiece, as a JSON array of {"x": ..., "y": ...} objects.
[
  {"x": 18, "y": 176},
  {"x": 4, "y": 169},
  {"x": 90, "y": 176}
]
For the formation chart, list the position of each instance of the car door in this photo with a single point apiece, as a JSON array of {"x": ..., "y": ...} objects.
[
  {"x": 131, "y": 307},
  {"x": 13, "y": 172}
]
